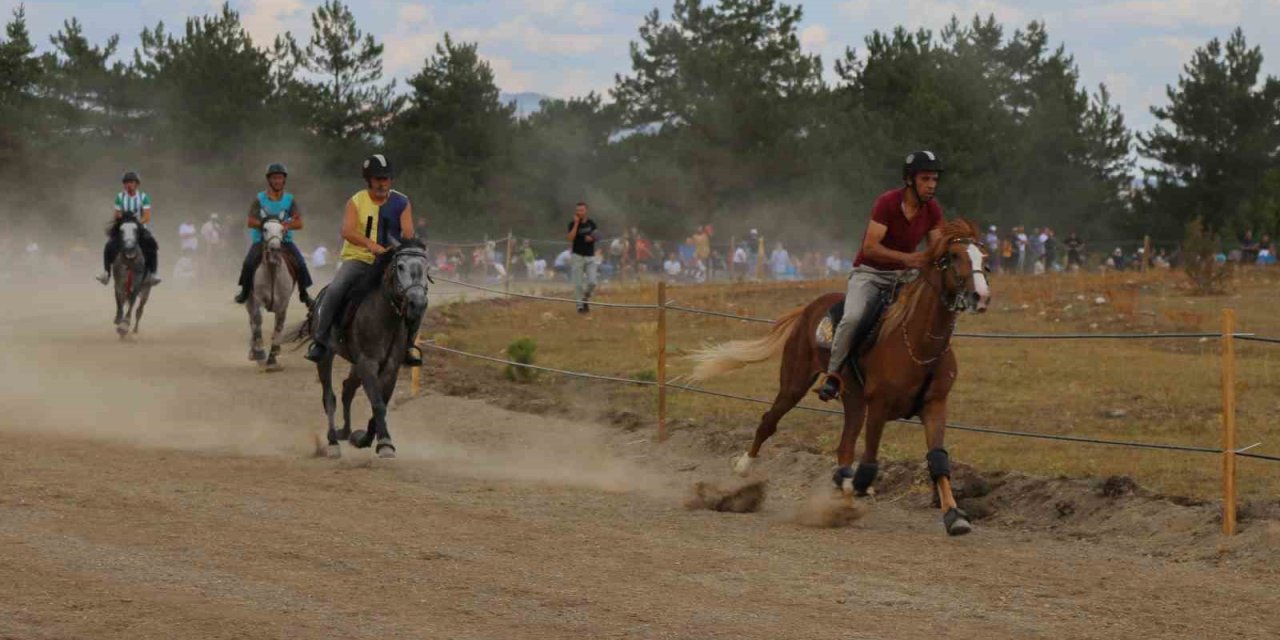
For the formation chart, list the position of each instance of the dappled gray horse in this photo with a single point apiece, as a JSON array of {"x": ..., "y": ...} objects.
[
  {"x": 273, "y": 283},
  {"x": 133, "y": 287},
  {"x": 382, "y": 315}
]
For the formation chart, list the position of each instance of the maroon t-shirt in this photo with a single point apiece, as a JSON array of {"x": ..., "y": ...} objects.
[{"x": 903, "y": 235}]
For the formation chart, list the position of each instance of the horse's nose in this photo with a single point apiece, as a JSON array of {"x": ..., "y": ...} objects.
[
  {"x": 979, "y": 302},
  {"x": 416, "y": 303}
]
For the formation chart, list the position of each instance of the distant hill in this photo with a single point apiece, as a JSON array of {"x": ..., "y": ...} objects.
[{"x": 527, "y": 102}]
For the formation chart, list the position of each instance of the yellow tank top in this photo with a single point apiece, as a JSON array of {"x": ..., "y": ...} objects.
[{"x": 378, "y": 222}]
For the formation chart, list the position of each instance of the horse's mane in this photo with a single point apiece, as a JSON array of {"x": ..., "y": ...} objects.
[
  {"x": 956, "y": 229},
  {"x": 372, "y": 281}
]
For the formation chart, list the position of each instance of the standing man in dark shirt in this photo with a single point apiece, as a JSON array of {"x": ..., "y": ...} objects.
[
  {"x": 582, "y": 260},
  {"x": 900, "y": 219},
  {"x": 1075, "y": 248}
]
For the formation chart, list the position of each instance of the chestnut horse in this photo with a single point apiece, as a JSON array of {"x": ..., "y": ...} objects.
[{"x": 907, "y": 371}]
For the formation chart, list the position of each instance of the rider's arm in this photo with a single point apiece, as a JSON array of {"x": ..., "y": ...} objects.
[
  {"x": 406, "y": 222},
  {"x": 351, "y": 230},
  {"x": 295, "y": 218},
  {"x": 573, "y": 228},
  {"x": 254, "y": 221},
  {"x": 872, "y": 248},
  {"x": 146, "y": 214}
]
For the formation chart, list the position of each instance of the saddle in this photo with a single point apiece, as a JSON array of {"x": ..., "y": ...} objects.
[{"x": 865, "y": 334}]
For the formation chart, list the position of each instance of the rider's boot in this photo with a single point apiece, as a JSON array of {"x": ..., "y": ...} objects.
[
  {"x": 243, "y": 296},
  {"x": 831, "y": 387},
  {"x": 318, "y": 352},
  {"x": 153, "y": 279},
  {"x": 413, "y": 356},
  {"x": 103, "y": 277},
  {"x": 305, "y": 297}
]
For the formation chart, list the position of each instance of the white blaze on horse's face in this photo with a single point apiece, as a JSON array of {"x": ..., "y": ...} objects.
[
  {"x": 979, "y": 278},
  {"x": 129, "y": 235},
  {"x": 273, "y": 233}
]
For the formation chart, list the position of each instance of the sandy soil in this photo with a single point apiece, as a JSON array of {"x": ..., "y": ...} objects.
[{"x": 163, "y": 488}]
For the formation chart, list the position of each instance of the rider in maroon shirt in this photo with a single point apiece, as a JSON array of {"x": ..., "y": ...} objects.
[{"x": 900, "y": 219}]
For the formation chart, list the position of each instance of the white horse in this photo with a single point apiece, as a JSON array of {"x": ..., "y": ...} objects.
[
  {"x": 273, "y": 284},
  {"x": 133, "y": 287}
]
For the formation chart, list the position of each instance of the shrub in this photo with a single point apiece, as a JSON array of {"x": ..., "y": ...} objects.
[{"x": 522, "y": 351}]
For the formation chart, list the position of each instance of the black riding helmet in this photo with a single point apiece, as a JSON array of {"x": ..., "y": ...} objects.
[
  {"x": 377, "y": 166},
  {"x": 916, "y": 162},
  {"x": 130, "y": 175},
  {"x": 276, "y": 167}
]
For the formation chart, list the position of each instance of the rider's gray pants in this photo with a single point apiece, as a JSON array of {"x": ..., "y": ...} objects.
[
  {"x": 349, "y": 273},
  {"x": 865, "y": 283}
]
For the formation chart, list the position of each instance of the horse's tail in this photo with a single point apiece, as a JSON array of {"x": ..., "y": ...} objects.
[
  {"x": 302, "y": 334},
  {"x": 717, "y": 360}
]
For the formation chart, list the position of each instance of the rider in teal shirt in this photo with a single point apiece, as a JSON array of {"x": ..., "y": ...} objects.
[{"x": 276, "y": 203}]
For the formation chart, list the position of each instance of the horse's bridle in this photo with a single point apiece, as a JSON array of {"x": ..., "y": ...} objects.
[
  {"x": 958, "y": 302},
  {"x": 399, "y": 298}
]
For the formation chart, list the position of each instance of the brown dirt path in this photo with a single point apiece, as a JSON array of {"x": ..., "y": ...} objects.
[{"x": 163, "y": 489}]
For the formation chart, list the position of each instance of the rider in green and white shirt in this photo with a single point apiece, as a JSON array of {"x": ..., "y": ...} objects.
[{"x": 131, "y": 204}]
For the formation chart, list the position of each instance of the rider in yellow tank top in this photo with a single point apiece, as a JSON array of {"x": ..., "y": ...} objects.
[
  {"x": 374, "y": 217},
  {"x": 375, "y": 221}
]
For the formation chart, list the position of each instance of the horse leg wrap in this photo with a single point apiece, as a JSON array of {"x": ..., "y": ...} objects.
[
  {"x": 864, "y": 477},
  {"x": 842, "y": 474},
  {"x": 939, "y": 464}
]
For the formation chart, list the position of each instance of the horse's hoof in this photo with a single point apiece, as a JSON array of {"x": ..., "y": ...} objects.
[
  {"x": 356, "y": 437},
  {"x": 956, "y": 522},
  {"x": 386, "y": 450},
  {"x": 344, "y": 433},
  {"x": 257, "y": 355},
  {"x": 742, "y": 464},
  {"x": 334, "y": 452}
]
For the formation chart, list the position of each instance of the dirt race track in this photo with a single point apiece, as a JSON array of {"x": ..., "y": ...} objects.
[{"x": 162, "y": 488}]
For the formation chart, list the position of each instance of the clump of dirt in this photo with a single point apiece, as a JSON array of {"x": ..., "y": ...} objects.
[
  {"x": 744, "y": 496},
  {"x": 1118, "y": 487},
  {"x": 827, "y": 510}
]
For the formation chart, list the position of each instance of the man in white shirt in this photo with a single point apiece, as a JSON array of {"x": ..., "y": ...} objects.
[{"x": 187, "y": 234}]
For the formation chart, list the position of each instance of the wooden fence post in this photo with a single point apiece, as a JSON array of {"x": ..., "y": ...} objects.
[
  {"x": 1228, "y": 422},
  {"x": 662, "y": 360},
  {"x": 1146, "y": 252}
]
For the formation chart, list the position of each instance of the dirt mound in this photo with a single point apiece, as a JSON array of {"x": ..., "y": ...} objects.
[{"x": 744, "y": 496}]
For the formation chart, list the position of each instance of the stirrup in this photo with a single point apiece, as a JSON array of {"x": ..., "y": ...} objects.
[{"x": 822, "y": 392}]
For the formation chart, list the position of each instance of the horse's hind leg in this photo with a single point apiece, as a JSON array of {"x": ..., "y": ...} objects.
[
  {"x": 324, "y": 369},
  {"x": 788, "y": 397},
  {"x": 858, "y": 413},
  {"x": 366, "y": 369},
  {"x": 349, "y": 388}
]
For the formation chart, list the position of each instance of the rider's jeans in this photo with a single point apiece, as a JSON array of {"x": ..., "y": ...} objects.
[
  {"x": 349, "y": 273},
  {"x": 865, "y": 283}
]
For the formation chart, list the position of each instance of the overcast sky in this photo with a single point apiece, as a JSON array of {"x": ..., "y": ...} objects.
[{"x": 569, "y": 47}]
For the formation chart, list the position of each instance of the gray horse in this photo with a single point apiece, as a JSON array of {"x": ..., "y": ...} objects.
[
  {"x": 382, "y": 315},
  {"x": 273, "y": 283},
  {"x": 133, "y": 287}
]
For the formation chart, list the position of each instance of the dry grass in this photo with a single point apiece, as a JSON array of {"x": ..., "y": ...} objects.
[{"x": 1153, "y": 391}]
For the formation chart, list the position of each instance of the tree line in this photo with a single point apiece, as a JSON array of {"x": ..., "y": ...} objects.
[{"x": 722, "y": 118}]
